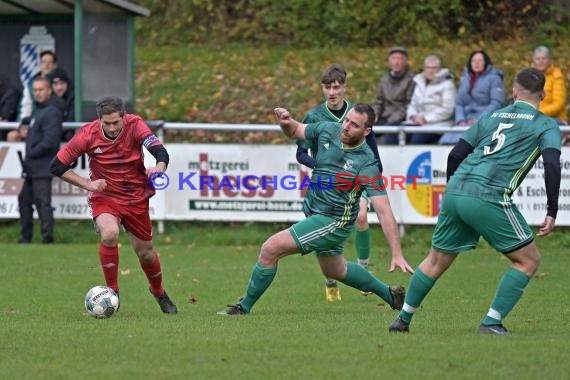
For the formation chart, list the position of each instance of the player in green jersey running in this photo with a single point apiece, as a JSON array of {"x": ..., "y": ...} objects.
[
  {"x": 335, "y": 108},
  {"x": 331, "y": 206},
  {"x": 484, "y": 169}
]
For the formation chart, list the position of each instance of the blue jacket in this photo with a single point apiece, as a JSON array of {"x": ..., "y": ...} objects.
[{"x": 488, "y": 95}]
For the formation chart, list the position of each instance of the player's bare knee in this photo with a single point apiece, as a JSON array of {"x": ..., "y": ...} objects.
[
  {"x": 109, "y": 237},
  {"x": 269, "y": 253},
  {"x": 146, "y": 254},
  {"x": 334, "y": 273},
  {"x": 433, "y": 258},
  {"x": 361, "y": 222},
  {"x": 531, "y": 262},
  {"x": 334, "y": 269},
  {"x": 526, "y": 259}
]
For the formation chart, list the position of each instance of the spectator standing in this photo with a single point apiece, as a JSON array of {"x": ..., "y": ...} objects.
[
  {"x": 433, "y": 100},
  {"x": 395, "y": 91},
  {"x": 42, "y": 144},
  {"x": 481, "y": 90}
]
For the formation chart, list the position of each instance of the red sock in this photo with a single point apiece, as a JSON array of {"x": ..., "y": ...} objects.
[
  {"x": 154, "y": 275},
  {"x": 109, "y": 258}
]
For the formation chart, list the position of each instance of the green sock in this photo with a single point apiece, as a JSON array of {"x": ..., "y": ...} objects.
[
  {"x": 359, "y": 278},
  {"x": 362, "y": 243},
  {"x": 419, "y": 287},
  {"x": 259, "y": 281},
  {"x": 509, "y": 291}
]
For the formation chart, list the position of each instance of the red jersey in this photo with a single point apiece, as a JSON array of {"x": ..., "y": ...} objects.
[{"x": 119, "y": 162}]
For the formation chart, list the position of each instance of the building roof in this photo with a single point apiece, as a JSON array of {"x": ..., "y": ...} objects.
[{"x": 37, "y": 7}]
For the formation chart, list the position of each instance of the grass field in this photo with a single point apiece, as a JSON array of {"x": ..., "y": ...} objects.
[{"x": 293, "y": 333}]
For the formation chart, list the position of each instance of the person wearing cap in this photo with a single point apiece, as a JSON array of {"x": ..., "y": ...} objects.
[
  {"x": 62, "y": 87},
  {"x": 394, "y": 92}
]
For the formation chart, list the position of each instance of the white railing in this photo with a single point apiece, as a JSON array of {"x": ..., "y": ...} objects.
[
  {"x": 396, "y": 161},
  {"x": 161, "y": 126}
]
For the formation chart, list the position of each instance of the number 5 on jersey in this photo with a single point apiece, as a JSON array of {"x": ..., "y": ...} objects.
[{"x": 500, "y": 137}]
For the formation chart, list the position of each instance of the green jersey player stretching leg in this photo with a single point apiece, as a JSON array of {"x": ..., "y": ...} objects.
[
  {"x": 331, "y": 206},
  {"x": 335, "y": 108},
  {"x": 484, "y": 169}
]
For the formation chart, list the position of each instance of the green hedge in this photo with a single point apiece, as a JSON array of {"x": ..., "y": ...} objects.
[{"x": 311, "y": 23}]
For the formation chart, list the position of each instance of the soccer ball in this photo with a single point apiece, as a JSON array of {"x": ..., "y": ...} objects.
[{"x": 101, "y": 302}]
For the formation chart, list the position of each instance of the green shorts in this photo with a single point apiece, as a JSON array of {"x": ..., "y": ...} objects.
[
  {"x": 463, "y": 219},
  {"x": 320, "y": 234}
]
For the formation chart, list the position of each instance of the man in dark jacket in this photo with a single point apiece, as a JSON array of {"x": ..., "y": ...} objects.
[
  {"x": 62, "y": 87},
  {"x": 42, "y": 144},
  {"x": 395, "y": 91},
  {"x": 9, "y": 98}
]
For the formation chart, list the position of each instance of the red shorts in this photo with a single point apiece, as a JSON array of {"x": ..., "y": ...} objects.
[{"x": 134, "y": 217}]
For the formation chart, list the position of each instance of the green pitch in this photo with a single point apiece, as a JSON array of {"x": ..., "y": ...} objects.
[{"x": 293, "y": 333}]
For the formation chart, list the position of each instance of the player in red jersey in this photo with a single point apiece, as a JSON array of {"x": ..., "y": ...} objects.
[{"x": 119, "y": 187}]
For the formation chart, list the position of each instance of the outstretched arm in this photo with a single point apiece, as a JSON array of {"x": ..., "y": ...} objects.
[
  {"x": 291, "y": 127},
  {"x": 386, "y": 218}
]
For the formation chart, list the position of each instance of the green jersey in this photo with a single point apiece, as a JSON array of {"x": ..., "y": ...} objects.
[
  {"x": 506, "y": 144},
  {"x": 333, "y": 192},
  {"x": 321, "y": 113}
]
